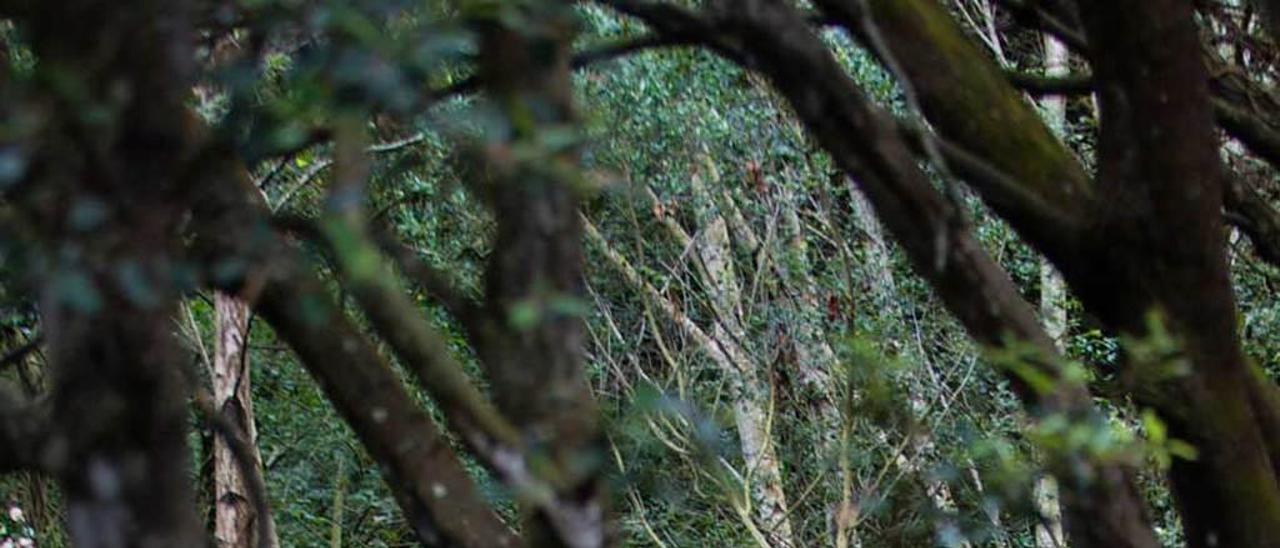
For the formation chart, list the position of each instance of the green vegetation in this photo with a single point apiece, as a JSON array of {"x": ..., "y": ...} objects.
[{"x": 616, "y": 272}]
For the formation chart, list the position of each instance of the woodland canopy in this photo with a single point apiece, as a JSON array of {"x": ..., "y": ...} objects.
[{"x": 647, "y": 272}]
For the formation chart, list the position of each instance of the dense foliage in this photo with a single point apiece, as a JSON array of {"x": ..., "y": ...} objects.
[{"x": 650, "y": 273}]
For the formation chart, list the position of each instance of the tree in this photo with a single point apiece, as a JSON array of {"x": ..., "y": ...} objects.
[
  {"x": 123, "y": 203},
  {"x": 1157, "y": 240},
  {"x": 235, "y": 516}
]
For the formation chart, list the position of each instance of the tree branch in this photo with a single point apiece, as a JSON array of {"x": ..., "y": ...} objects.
[
  {"x": 1160, "y": 177},
  {"x": 16, "y": 355},
  {"x": 1245, "y": 208},
  {"x": 770, "y": 37},
  {"x": 1039, "y": 85},
  {"x": 1250, "y": 212},
  {"x": 1260, "y": 137},
  {"x": 1003, "y": 190},
  {"x": 230, "y": 224},
  {"x": 435, "y": 282},
  {"x": 581, "y": 60},
  {"x": 533, "y": 277},
  {"x": 969, "y": 101},
  {"x": 1065, "y": 29}
]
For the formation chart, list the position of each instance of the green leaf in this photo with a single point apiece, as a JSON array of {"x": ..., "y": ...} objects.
[
  {"x": 1183, "y": 450},
  {"x": 1156, "y": 430}
]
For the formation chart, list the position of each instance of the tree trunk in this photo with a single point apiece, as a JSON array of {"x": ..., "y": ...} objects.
[
  {"x": 1160, "y": 238},
  {"x": 750, "y": 402},
  {"x": 418, "y": 464},
  {"x": 815, "y": 361},
  {"x": 884, "y": 287},
  {"x": 751, "y": 392},
  {"x": 534, "y": 279},
  {"x": 235, "y": 518},
  {"x": 118, "y": 393},
  {"x": 1053, "y": 310}
]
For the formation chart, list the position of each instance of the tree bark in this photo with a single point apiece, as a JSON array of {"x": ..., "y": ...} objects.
[
  {"x": 119, "y": 398},
  {"x": 752, "y": 395},
  {"x": 534, "y": 280},
  {"x": 236, "y": 520},
  {"x": 1161, "y": 241},
  {"x": 1053, "y": 295},
  {"x": 816, "y": 364},
  {"x": 1113, "y": 277}
]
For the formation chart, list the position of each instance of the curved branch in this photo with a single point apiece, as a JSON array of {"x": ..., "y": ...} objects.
[
  {"x": 583, "y": 59},
  {"x": 1249, "y": 211},
  {"x": 1245, "y": 208},
  {"x": 968, "y": 99},
  {"x": 1038, "y": 85},
  {"x": 1260, "y": 137},
  {"x": 230, "y": 225},
  {"x": 1062, "y": 23},
  {"x": 1002, "y": 189},
  {"x": 435, "y": 282},
  {"x": 866, "y": 143}
]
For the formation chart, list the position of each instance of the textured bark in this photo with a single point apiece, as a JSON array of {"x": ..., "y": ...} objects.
[
  {"x": 966, "y": 97},
  {"x": 1160, "y": 178},
  {"x": 235, "y": 519},
  {"x": 815, "y": 360},
  {"x": 534, "y": 279},
  {"x": 494, "y": 441},
  {"x": 750, "y": 392},
  {"x": 1158, "y": 225},
  {"x": 436, "y": 494},
  {"x": 398, "y": 320},
  {"x": 1140, "y": 118},
  {"x": 119, "y": 410},
  {"x": 1248, "y": 111}
]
